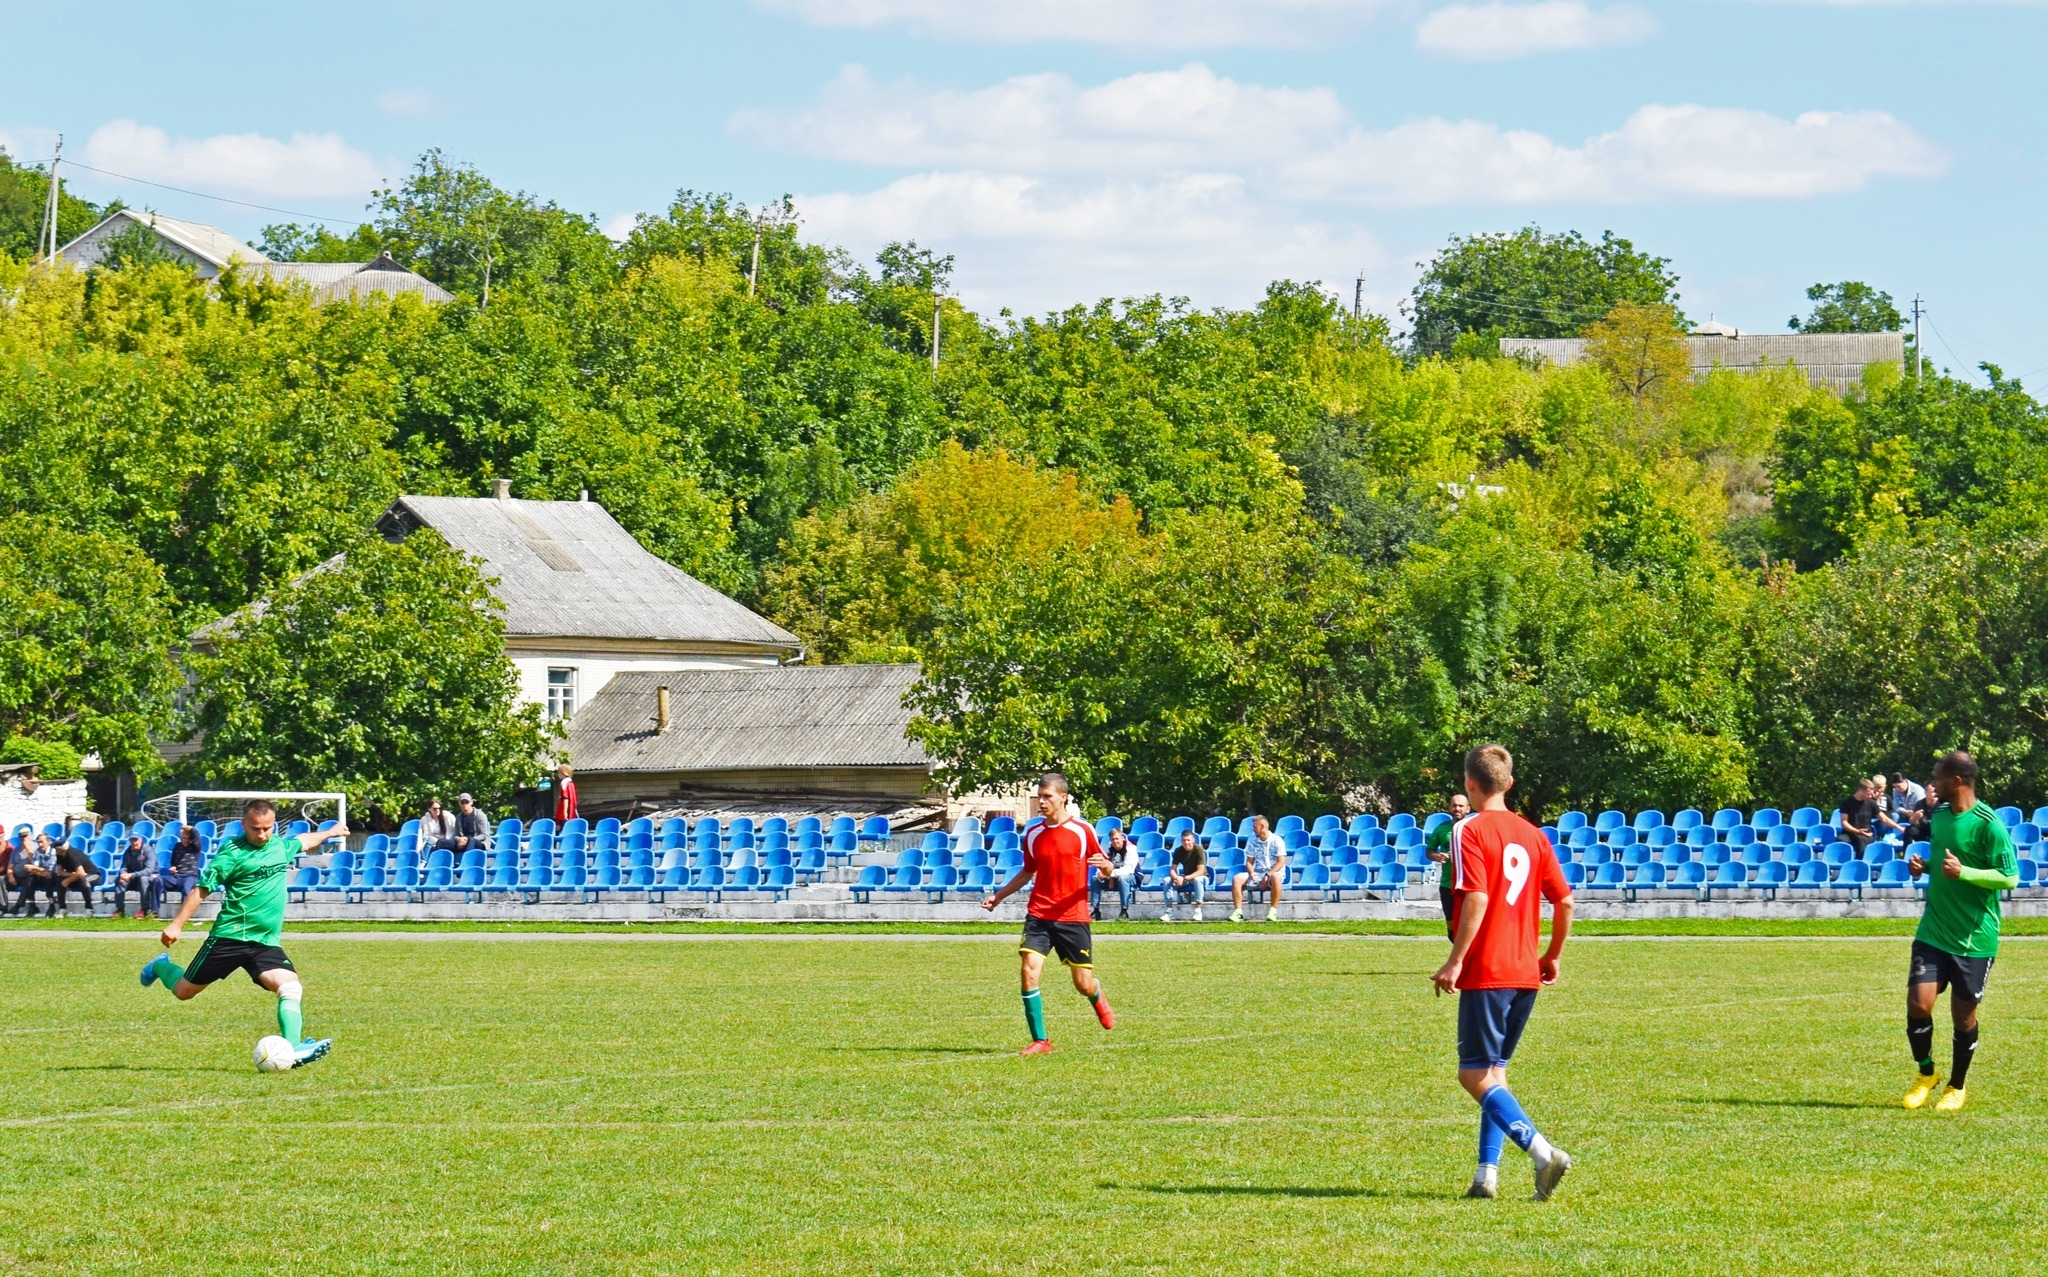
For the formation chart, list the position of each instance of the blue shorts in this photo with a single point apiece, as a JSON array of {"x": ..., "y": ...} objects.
[{"x": 1490, "y": 1023}]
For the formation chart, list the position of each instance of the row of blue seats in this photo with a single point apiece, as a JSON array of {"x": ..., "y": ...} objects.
[
  {"x": 1386, "y": 881},
  {"x": 1768, "y": 879}
]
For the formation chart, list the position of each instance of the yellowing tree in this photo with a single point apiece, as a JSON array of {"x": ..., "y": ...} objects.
[{"x": 1643, "y": 349}]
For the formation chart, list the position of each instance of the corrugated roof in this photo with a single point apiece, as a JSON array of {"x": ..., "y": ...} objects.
[
  {"x": 210, "y": 244},
  {"x": 351, "y": 281},
  {"x": 567, "y": 569},
  {"x": 790, "y": 716}
]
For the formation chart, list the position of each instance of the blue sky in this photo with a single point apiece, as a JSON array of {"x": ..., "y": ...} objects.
[{"x": 1068, "y": 149}]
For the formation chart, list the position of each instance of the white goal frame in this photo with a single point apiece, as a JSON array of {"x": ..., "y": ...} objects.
[{"x": 183, "y": 795}]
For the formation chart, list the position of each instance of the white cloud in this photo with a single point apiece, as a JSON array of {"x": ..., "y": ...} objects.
[
  {"x": 1190, "y": 182},
  {"x": 620, "y": 225},
  {"x": 1033, "y": 243},
  {"x": 1302, "y": 145},
  {"x": 309, "y": 164},
  {"x": 1168, "y": 24},
  {"x": 1495, "y": 32},
  {"x": 415, "y": 103}
]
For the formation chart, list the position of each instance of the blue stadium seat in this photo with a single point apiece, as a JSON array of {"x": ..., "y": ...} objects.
[
  {"x": 1853, "y": 877},
  {"x": 1398, "y": 822},
  {"x": 1727, "y": 818},
  {"x": 2040, "y": 817},
  {"x": 1574, "y": 875},
  {"x": 1361, "y": 823},
  {"x": 1812, "y": 876},
  {"x": 1690, "y": 875},
  {"x": 2010, "y": 817},
  {"x": 304, "y": 879},
  {"x": 1391, "y": 880},
  {"x": 2030, "y": 873},
  {"x": 1768, "y": 877},
  {"x": 1892, "y": 876},
  {"x": 904, "y": 879},
  {"x": 1805, "y": 817},
  {"x": 1687, "y": 819},
  {"x": 872, "y": 879},
  {"x": 1729, "y": 875},
  {"x": 1647, "y": 820},
  {"x": 1570, "y": 821},
  {"x": 1608, "y": 877},
  {"x": 1610, "y": 820}
]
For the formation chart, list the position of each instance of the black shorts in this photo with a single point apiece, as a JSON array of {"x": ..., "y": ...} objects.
[
  {"x": 1941, "y": 969},
  {"x": 1071, "y": 940},
  {"x": 1490, "y": 1023},
  {"x": 222, "y": 957}
]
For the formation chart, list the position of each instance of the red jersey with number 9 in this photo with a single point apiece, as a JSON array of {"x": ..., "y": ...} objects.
[{"x": 1509, "y": 859}]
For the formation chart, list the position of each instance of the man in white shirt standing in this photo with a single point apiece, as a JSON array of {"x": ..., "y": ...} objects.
[{"x": 1265, "y": 864}]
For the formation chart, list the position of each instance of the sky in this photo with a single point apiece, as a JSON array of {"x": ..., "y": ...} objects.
[{"x": 1067, "y": 150}]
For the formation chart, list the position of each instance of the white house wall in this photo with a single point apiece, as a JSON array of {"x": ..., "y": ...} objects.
[{"x": 594, "y": 671}]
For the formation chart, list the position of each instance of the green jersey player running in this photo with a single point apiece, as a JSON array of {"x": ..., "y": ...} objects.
[
  {"x": 1971, "y": 860},
  {"x": 250, "y": 869}
]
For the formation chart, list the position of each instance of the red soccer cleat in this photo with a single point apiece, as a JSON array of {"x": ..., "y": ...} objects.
[
  {"x": 1040, "y": 1047},
  {"x": 1104, "y": 1014}
]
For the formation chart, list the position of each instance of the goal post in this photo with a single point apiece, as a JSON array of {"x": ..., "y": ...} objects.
[{"x": 190, "y": 805}]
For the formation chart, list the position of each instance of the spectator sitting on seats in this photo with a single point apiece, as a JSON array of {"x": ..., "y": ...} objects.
[
  {"x": 1439, "y": 850},
  {"x": 75, "y": 869},
  {"x": 1186, "y": 880},
  {"x": 1123, "y": 853},
  {"x": 1265, "y": 864},
  {"x": 565, "y": 795},
  {"x": 18, "y": 869},
  {"x": 437, "y": 828},
  {"x": 1859, "y": 817},
  {"x": 183, "y": 877},
  {"x": 137, "y": 873},
  {"x": 1920, "y": 822},
  {"x": 35, "y": 867},
  {"x": 1884, "y": 821},
  {"x": 1902, "y": 799},
  {"x": 471, "y": 829}
]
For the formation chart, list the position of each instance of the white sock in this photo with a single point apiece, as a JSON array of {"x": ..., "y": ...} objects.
[
  {"x": 1486, "y": 1174},
  {"x": 1540, "y": 1151}
]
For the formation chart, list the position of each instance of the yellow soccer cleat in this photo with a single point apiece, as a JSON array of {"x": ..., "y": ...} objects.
[
  {"x": 1923, "y": 1086},
  {"x": 1950, "y": 1101}
]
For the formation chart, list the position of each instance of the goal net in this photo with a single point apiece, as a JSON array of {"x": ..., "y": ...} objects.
[{"x": 223, "y": 805}]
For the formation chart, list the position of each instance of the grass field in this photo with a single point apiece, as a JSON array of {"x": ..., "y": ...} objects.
[{"x": 816, "y": 1105}]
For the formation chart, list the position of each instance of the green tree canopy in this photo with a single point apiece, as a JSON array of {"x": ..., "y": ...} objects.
[
  {"x": 1529, "y": 284},
  {"x": 382, "y": 675},
  {"x": 24, "y": 199},
  {"x": 1848, "y": 307}
]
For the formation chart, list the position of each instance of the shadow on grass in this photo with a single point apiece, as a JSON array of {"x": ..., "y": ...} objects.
[
  {"x": 1799, "y": 1104},
  {"x": 1257, "y": 1190},
  {"x": 139, "y": 1068}
]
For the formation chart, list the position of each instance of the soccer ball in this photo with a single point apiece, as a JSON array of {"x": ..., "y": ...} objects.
[{"x": 274, "y": 1055}]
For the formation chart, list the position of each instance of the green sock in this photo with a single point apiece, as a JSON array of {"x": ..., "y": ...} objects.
[
  {"x": 168, "y": 973},
  {"x": 291, "y": 1020},
  {"x": 1034, "y": 1014},
  {"x": 1095, "y": 997}
]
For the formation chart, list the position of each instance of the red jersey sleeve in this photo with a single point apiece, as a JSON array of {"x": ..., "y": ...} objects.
[
  {"x": 1555, "y": 888},
  {"x": 1471, "y": 861}
]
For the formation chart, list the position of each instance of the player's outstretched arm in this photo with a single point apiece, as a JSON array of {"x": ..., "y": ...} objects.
[
  {"x": 176, "y": 926},
  {"x": 1008, "y": 889},
  {"x": 309, "y": 841}
]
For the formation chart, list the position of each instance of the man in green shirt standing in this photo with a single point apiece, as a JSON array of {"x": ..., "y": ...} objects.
[
  {"x": 1972, "y": 858},
  {"x": 251, "y": 868}
]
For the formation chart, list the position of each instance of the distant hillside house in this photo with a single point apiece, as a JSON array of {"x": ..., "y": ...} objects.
[
  {"x": 808, "y": 732},
  {"x": 584, "y": 603},
  {"x": 209, "y": 250},
  {"x": 1835, "y": 360}
]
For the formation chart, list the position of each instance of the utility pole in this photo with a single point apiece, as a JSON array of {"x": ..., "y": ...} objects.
[
  {"x": 48, "y": 240},
  {"x": 1919, "y": 360},
  {"x": 1358, "y": 298},
  {"x": 754, "y": 269},
  {"x": 938, "y": 309}
]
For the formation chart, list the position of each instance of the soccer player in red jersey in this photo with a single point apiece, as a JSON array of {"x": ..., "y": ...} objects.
[
  {"x": 1502, "y": 871},
  {"x": 1058, "y": 854}
]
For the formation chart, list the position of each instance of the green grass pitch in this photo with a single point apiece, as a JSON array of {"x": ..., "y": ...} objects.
[{"x": 575, "y": 1105}]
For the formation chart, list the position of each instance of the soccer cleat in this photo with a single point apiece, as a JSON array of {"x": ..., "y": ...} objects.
[
  {"x": 149, "y": 971},
  {"x": 1550, "y": 1172},
  {"x": 1485, "y": 1183},
  {"x": 310, "y": 1050},
  {"x": 1923, "y": 1086},
  {"x": 1104, "y": 1014},
  {"x": 1039, "y": 1047},
  {"x": 1273, "y": 914},
  {"x": 1950, "y": 1101},
  {"x": 1237, "y": 915}
]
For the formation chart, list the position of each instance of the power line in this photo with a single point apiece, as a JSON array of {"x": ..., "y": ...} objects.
[{"x": 288, "y": 212}]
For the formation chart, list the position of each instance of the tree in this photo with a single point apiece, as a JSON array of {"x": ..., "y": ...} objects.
[
  {"x": 700, "y": 226},
  {"x": 1848, "y": 307},
  {"x": 459, "y": 229},
  {"x": 381, "y": 675},
  {"x": 1642, "y": 348},
  {"x": 24, "y": 202},
  {"x": 85, "y": 641},
  {"x": 288, "y": 242},
  {"x": 1529, "y": 284}
]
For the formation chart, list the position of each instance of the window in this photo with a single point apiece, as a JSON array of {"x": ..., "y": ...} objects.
[{"x": 561, "y": 691}]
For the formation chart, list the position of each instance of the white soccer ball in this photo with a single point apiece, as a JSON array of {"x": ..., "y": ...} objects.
[{"x": 274, "y": 1055}]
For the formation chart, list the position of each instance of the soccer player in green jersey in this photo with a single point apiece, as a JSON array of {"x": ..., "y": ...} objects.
[
  {"x": 250, "y": 869},
  {"x": 1972, "y": 859}
]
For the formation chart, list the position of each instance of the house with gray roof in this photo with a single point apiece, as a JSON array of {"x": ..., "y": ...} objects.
[
  {"x": 209, "y": 250},
  {"x": 584, "y": 602},
  {"x": 807, "y": 732}
]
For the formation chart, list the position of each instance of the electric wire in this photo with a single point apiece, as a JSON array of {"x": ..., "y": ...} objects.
[{"x": 162, "y": 186}]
